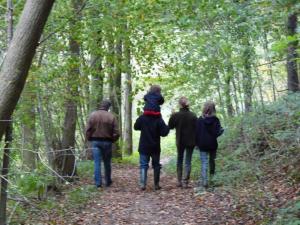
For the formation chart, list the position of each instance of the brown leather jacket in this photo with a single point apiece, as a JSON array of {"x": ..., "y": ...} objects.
[{"x": 102, "y": 125}]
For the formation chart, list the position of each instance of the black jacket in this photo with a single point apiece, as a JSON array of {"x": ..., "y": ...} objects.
[
  {"x": 184, "y": 122},
  {"x": 152, "y": 128},
  {"x": 208, "y": 129},
  {"x": 153, "y": 101}
]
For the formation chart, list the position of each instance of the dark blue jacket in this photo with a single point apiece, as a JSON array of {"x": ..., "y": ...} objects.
[
  {"x": 152, "y": 128},
  {"x": 208, "y": 129},
  {"x": 153, "y": 101}
]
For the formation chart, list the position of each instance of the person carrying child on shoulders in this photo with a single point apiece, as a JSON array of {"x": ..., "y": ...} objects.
[
  {"x": 152, "y": 128},
  {"x": 208, "y": 129}
]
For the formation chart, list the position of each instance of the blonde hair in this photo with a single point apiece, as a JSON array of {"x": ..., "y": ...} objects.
[{"x": 209, "y": 109}]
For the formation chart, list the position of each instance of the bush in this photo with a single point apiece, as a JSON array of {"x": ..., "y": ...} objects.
[{"x": 85, "y": 168}]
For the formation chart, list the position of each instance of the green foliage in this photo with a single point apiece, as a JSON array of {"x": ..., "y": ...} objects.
[
  {"x": 170, "y": 166},
  {"x": 289, "y": 215},
  {"x": 168, "y": 145},
  {"x": 131, "y": 159},
  {"x": 79, "y": 196},
  {"x": 257, "y": 139},
  {"x": 34, "y": 183},
  {"x": 85, "y": 168}
]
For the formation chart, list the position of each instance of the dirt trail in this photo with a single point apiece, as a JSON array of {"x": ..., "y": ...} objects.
[{"x": 124, "y": 203}]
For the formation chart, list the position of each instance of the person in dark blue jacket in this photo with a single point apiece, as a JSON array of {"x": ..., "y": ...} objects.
[
  {"x": 208, "y": 129},
  {"x": 153, "y": 99},
  {"x": 152, "y": 128}
]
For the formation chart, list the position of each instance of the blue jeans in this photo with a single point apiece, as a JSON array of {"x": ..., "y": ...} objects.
[
  {"x": 204, "y": 167},
  {"x": 144, "y": 161},
  {"x": 102, "y": 150}
]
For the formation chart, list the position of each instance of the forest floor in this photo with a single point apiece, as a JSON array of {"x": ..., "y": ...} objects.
[{"x": 124, "y": 203}]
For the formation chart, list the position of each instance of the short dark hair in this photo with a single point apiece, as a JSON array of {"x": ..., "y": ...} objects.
[
  {"x": 155, "y": 89},
  {"x": 105, "y": 104}
]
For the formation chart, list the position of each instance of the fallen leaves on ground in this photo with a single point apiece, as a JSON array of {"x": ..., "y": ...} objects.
[{"x": 124, "y": 203}]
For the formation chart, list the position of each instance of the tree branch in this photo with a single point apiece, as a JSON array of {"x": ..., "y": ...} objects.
[
  {"x": 63, "y": 26},
  {"x": 274, "y": 61}
]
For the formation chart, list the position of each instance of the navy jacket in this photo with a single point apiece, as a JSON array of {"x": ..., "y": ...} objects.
[
  {"x": 153, "y": 101},
  {"x": 184, "y": 122},
  {"x": 208, "y": 129},
  {"x": 152, "y": 128}
]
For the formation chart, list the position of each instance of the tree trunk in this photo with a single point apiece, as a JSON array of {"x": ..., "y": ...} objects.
[
  {"x": 8, "y": 133},
  {"x": 292, "y": 72},
  {"x": 20, "y": 53},
  {"x": 239, "y": 90},
  {"x": 235, "y": 96},
  {"x": 97, "y": 81},
  {"x": 68, "y": 167},
  {"x": 270, "y": 71},
  {"x": 115, "y": 70},
  {"x": 4, "y": 174},
  {"x": 219, "y": 85},
  {"x": 128, "y": 101},
  {"x": 117, "y": 84},
  {"x": 228, "y": 95},
  {"x": 28, "y": 126},
  {"x": 247, "y": 77},
  {"x": 29, "y": 103}
]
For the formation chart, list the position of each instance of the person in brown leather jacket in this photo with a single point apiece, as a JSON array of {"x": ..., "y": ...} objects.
[{"x": 102, "y": 130}]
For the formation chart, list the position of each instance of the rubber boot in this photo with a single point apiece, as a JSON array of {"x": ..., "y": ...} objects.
[
  {"x": 143, "y": 179},
  {"x": 179, "y": 176},
  {"x": 108, "y": 180},
  {"x": 156, "y": 178},
  {"x": 186, "y": 178}
]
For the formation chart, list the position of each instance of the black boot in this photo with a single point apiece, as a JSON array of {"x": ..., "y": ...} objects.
[
  {"x": 186, "y": 178},
  {"x": 179, "y": 176},
  {"x": 143, "y": 179},
  {"x": 108, "y": 180},
  {"x": 156, "y": 178}
]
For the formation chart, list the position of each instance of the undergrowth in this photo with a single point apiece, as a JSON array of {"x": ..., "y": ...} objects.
[
  {"x": 258, "y": 147},
  {"x": 38, "y": 198}
]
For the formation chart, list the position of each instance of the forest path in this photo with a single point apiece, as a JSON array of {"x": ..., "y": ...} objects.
[{"x": 124, "y": 203}]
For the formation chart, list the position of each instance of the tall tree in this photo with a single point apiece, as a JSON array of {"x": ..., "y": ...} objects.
[
  {"x": 68, "y": 167},
  {"x": 4, "y": 174},
  {"x": 292, "y": 72},
  {"x": 247, "y": 74},
  {"x": 19, "y": 56},
  {"x": 128, "y": 99},
  {"x": 8, "y": 134},
  {"x": 28, "y": 119}
]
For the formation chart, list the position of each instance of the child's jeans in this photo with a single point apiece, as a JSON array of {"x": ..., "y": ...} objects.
[{"x": 204, "y": 168}]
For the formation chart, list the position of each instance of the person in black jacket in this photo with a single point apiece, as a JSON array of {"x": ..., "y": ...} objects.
[
  {"x": 208, "y": 129},
  {"x": 184, "y": 122},
  {"x": 152, "y": 128}
]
